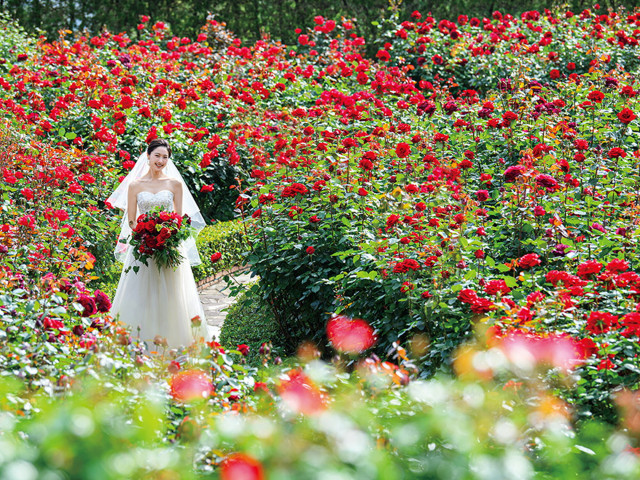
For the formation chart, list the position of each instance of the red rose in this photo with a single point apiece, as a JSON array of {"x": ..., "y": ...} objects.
[
  {"x": 482, "y": 305},
  {"x": 88, "y": 304},
  {"x": 103, "y": 304},
  {"x": 482, "y": 195},
  {"x": 240, "y": 465},
  {"x": 493, "y": 287},
  {"x": 351, "y": 335},
  {"x": 403, "y": 150},
  {"x": 617, "y": 265},
  {"x": 190, "y": 385},
  {"x": 513, "y": 172},
  {"x": 626, "y": 116},
  {"x": 243, "y": 348},
  {"x": 383, "y": 55},
  {"x": 310, "y": 250},
  {"x": 588, "y": 347},
  {"x": 601, "y": 322},
  {"x": 588, "y": 268},
  {"x": 617, "y": 153},
  {"x": 215, "y": 257},
  {"x": 596, "y": 96},
  {"x": 467, "y": 295},
  {"x": 529, "y": 260},
  {"x": 628, "y": 91},
  {"x": 632, "y": 323},
  {"x": 546, "y": 181}
]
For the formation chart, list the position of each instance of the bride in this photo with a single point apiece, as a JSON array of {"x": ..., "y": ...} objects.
[{"x": 157, "y": 302}]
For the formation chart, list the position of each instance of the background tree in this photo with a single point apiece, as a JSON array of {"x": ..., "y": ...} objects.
[{"x": 250, "y": 19}]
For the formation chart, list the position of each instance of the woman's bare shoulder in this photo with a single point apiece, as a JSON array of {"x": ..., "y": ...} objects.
[
  {"x": 135, "y": 186},
  {"x": 175, "y": 184}
]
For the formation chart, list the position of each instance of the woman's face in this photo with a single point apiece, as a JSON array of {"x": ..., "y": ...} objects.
[{"x": 158, "y": 159}]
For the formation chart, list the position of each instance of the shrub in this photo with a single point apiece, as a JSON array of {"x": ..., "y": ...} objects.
[
  {"x": 250, "y": 321},
  {"x": 224, "y": 237}
]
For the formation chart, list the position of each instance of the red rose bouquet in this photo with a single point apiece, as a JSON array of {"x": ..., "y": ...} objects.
[{"x": 157, "y": 235}]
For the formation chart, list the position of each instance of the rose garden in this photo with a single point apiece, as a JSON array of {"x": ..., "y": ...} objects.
[{"x": 443, "y": 235}]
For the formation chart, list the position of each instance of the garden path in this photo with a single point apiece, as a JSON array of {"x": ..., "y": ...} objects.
[{"x": 215, "y": 298}]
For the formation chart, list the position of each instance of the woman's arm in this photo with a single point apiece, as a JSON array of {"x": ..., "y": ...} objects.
[
  {"x": 132, "y": 205},
  {"x": 177, "y": 197}
]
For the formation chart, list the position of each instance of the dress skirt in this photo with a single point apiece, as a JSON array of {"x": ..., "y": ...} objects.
[{"x": 159, "y": 302}]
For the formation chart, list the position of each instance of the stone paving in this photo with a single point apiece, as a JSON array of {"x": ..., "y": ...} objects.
[{"x": 215, "y": 299}]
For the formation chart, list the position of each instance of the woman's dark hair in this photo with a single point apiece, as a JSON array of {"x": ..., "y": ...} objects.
[{"x": 158, "y": 142}]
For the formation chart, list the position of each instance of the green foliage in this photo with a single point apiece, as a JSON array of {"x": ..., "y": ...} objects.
[
  {"x": 14, "y": 41},
  {"x": 107, "y": 422},
  {"x": 249, "y": 320},
  {"x": 224, "y": 237},
  {"x": 363, "y": 426}
]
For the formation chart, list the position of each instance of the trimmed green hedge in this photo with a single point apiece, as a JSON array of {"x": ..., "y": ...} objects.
[
  {"x": 224, "y": 237},
  {"x": 250, "y": 320}
]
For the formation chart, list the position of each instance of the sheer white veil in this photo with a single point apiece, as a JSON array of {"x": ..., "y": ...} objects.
[{"x": 118, "y": 199}]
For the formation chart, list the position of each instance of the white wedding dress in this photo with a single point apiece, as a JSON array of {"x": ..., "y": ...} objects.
[{"x": 159, "y": 301}]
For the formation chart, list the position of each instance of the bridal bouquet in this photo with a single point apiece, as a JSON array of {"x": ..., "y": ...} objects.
[{"x": 157, "y": 235}]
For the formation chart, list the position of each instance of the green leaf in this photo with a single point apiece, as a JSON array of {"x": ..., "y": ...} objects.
[{"x": 503, "y": 268}]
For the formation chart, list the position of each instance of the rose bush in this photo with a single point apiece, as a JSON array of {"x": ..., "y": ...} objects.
[{"x": 424, "y": 198}]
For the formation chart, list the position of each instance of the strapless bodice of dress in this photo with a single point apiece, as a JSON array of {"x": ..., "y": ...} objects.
[{"x": 148, "y": 200}]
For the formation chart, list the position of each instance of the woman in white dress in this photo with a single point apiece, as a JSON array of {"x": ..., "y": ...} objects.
[{"x": 157, "y": 302}]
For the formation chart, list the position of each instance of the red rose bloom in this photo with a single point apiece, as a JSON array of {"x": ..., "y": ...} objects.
[
  {"x": 617, "y": 153},
  {"x": 102, "y": 301},
  {"x": 626, "y": 116},
  {"x": 601, "y": 322},
  {"x": 403, "y": 150},
  {"x": 89, "y": 305},
  {"x": 482, "y": 195},
  {"x": 351, "y": 335},
  {"x": 546, "y": 181},
  {"x": 482, "y": 305},
  {"x": 596, "y": 96},
  {"x": 631, "y": 322},
  {"x": 467, "y": 295},
  {"x": 513, "y": 172},
  {"x": 588, "y": 268},
  {"x": 493, "y": 287},
  {"x": 529, "y": 260}
]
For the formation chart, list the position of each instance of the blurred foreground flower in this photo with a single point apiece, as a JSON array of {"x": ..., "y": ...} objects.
[
  {"x": 628, "y": 403},
  {"x": 190, "y": 385},
  {"x": 240, "y": 466},
  {"x": 350, "y": 335},
  {"x": 300, "y": 393},
  {"x": 526, "y": 350}
]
